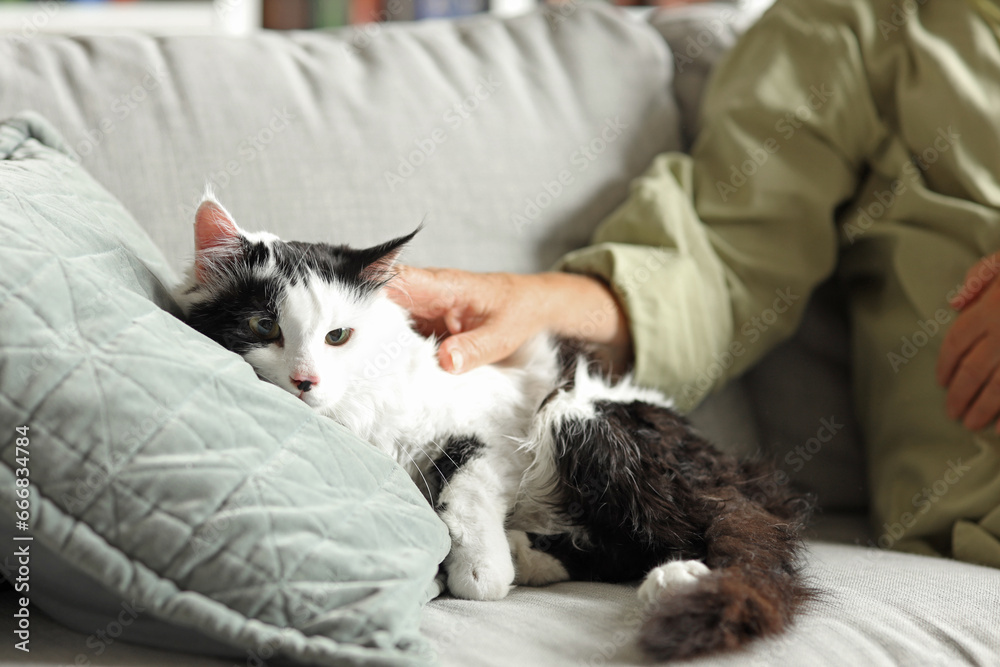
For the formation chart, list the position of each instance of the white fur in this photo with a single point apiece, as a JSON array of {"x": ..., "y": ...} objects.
[{"x": 671, "y": 579}]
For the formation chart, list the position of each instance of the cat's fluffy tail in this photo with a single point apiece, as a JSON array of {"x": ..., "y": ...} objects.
[
  {"x": 636, "y": 485},
  {"x": 750, "y": 589}
]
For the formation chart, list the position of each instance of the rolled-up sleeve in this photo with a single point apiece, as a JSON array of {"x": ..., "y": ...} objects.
[{"x": 714, "y": 255}]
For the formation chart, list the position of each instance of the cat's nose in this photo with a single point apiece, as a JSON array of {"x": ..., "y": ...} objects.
[{"x": 304, "y": 382}]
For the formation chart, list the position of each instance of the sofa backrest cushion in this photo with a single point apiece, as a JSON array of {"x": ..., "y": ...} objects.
[{"x": 511, "y": 139}]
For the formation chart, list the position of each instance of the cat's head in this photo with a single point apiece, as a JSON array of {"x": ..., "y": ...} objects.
[{"x": 306, "y": 316}]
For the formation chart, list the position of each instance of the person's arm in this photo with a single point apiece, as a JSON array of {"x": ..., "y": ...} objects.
[
  {"x": 487, "y": 316},
  {"x": 714, "y": 256}
]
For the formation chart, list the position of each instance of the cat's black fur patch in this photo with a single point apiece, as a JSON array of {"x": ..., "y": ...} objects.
[
  {"x": 254, "y": 254},
  {"x": 646, "y": 489},
  {"x": 458, "y": 452},
  {"x": 455, "y": 455},
  {"x": 224, "y": 317},
  {"x": 357, "y": 269},
  {"x": 248, "y": 290}
]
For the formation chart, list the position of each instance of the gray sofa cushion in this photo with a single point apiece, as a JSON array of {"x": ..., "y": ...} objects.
[
  {"x": 162, "y": 473},
  {"x": 876, "y": 613},
  {"x": 512, "y": 138}
]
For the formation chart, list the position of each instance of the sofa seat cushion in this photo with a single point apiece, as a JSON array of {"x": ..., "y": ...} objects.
[{"x": 880, "y": 608}]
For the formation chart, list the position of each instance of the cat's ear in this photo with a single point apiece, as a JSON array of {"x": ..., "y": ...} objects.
[
  {"x": 378, "y": 261},
  {"x": 217, "y": 239}
]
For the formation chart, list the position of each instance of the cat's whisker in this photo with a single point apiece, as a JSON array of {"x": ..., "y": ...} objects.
[
  {"x": 416, "y": 467},
  {"x": 433, "y": 461}
]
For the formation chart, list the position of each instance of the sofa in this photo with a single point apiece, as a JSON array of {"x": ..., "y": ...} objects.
[{"x": 510, "y": 139}]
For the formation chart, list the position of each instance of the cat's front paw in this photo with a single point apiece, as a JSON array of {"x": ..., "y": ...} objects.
[
  {"x": 670, "y": 579},
  {"x": 478, "y": 575}
]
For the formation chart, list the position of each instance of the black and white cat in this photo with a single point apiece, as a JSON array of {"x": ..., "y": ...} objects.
[{"x": 541, "y": 468}]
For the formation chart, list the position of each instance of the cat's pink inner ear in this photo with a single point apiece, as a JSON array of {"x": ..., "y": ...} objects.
[{"x": 215, "y": 236}]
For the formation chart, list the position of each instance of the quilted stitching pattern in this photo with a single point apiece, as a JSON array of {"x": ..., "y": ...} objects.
[{"x": 164, "y": 468}]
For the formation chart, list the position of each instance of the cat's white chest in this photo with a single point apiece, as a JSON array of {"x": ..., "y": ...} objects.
[{"x": 417, "y": 410}]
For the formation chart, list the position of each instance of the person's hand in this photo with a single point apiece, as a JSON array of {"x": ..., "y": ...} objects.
[
  {"x": 978, "y": 278},
  {"x": 969, "y": 360},
  {"x": 485, "y": 317}
]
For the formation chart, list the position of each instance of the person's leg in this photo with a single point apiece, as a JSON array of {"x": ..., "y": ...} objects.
[{"x": 935, "y": 486}]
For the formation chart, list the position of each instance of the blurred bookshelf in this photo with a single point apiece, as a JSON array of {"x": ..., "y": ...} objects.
[
  {"x": 308, "y": 14},
  {"x": 28, "y": 17},
  {"x": 240, "y": 17}
]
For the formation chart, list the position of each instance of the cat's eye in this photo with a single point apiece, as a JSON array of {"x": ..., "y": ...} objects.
[
  {"x": 264, "y": 327},
  {"x": 339, "y": 336}
]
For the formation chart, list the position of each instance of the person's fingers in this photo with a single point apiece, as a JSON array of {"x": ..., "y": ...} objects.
[
  {"x": 430, "y": 327},
  {"x": 398, "y": 289},
  {"x": 453, "y": 322},
  {"x": 974, "y": 370},
  {"x": 962, "y": 335},
  {"x": 426, "y": 293},
  {"x": 986, "y": 406},
  {"x": 486, "y": 344},
  {"x": 977, "y": 279}
]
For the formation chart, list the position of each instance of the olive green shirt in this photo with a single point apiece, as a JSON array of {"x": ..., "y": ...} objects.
[{"x": 833, "y": 131}]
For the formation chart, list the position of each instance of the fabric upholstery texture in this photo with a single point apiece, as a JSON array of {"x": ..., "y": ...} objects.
[
  {"x": 162, "y": 469},
  {"x": 876, "y": 613},
  {"x": 869, "y": 616}
]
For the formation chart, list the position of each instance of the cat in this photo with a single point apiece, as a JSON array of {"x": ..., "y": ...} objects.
[{"x": 542, "y": 469}]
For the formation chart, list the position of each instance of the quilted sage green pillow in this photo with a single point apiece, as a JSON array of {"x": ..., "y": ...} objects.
[{"x": 163, "y": 470}]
